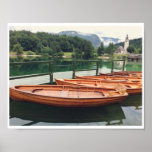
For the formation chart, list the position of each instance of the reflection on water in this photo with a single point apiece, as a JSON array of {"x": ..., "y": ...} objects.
[
  {"x": 134, "y": 100},
  {"x": 34, "y": 68},
  {"x": 32, "y": 113},
  {"x": 127, "y": 113}
]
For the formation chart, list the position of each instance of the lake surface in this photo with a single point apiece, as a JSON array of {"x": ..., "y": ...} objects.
[
  {"x": 35, "y": 68},
  {"x": 126, "y": 113}
]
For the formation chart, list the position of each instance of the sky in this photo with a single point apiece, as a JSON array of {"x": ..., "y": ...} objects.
[{"x": 104, "y": 30}]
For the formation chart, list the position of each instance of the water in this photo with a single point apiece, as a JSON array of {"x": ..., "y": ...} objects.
[
  {"x": 35, "y": 68},
  {"x": 126, "y": 113}
]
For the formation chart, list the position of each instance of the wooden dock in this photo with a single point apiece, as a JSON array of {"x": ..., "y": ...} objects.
[
  {"x": 48, "y": 78},
  {"x": 135, "y": 57}
]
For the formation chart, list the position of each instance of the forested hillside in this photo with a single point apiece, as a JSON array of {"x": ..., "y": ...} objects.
[
  {"x": 51, "y": 44},
  {"x": 135, "y": 45}
]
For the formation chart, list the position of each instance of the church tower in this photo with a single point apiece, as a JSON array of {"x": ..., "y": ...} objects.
[{"x": 126, "y": 44}]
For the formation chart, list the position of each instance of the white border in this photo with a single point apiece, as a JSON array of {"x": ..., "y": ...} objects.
[{"x": 77, "y": 127}]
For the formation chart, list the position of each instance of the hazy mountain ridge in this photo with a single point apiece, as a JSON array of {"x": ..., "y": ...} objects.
[
  {"x": 93, "y": 38},
  {"x": 108, "y": 40}
]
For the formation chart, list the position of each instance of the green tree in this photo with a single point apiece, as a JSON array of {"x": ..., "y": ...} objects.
[
  {"x": 131, "y": 49},
  {"x": 138, "y": 51},
  {"x": 51, "y": 44},
  {"x": 88, "y": 50},
  {"x": 48, "y": 51},
  {"x": 77, "y": 53},
  {"x": 100, "y": 49},
  {"x": 18, "y": 49},
  {"x": 60, "y": 54},
  {"x": 30, "y": 53},
  {"x": 110, "y": 49}
]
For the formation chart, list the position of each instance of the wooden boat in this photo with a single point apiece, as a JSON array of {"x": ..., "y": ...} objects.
[
  {"x": 136, "y": 74},
  {"x": 90, "y": 83},
  {"x": 65, "y": 96},
  {"x": 124, "y": 72},
  {"x": 127, "y": 72},
  {"x": 130, "y": 88},
  {"x": 118, "y": 77},
  {"x": 108, "y": 79}
]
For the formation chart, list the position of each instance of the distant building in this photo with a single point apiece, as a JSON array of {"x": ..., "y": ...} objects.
[
  {"x": 119, "y": 50},
  {"x": 126, "y": 44},
  {"x": 123, "y": 50}
]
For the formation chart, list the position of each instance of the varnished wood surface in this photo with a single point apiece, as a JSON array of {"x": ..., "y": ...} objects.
[
  {"x": 110, "y": 79},
  {"x": 66, "y": 96},
  {"x": 131, "y": 74},
  {"x": 131, "y": 88},
  {"x": 90, "y": 83}
]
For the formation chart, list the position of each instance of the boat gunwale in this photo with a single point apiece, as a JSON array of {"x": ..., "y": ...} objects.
[
  {"x": 97, "y": 81},
  {"x": 31, "y": 93},
  {"x": 125, "y": 81}
]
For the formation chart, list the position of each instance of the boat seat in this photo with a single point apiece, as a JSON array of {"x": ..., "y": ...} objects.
[
  {"x": 102, "y": 93},
  {"x": 36, "y": 90},
  {"x": 64, "y": 93},
  {"x": 128, "y": 86}
]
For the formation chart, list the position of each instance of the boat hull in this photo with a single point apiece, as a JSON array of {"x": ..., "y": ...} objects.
[
  {"x": 123, "y": 75},
  {"x": 134, "y": 91},
  {"x": 110, "y": 80},
  {"x": 19, "y": 95}
]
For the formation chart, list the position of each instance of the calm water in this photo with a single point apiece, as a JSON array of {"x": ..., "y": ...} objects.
[
  {"x": 127, "y": 113},
  {"x": 34, "y": 68}
]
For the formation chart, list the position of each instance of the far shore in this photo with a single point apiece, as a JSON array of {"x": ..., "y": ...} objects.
[{"x": 14, "y": 55}]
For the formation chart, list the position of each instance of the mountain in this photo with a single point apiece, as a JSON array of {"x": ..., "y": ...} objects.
[
  {"x": 93, "y": 38},
  {"x": 107, "y": 40}
]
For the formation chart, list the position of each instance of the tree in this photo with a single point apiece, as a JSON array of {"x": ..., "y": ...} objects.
[
  {"x": 110, "y": 49},
  {"x": 131, "y": 49},
  {"x": 51, "y": 44},
  {"x": 60, "y": 54},
  {"x": 140, "y": 50},
  {"x": 100, "y": 49},
  {"x": 18, "y": 49},
  {"x": 47, "y": 51},
  {"x": 77, "y": 53},
  {"x": 30, "y": 53},
  {"x": 88, "y": 50}
]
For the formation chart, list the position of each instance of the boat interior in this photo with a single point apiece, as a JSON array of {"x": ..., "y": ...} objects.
[{"x": 66, "y": 91}]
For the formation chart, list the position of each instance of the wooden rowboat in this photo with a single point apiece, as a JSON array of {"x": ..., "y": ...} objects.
[
  {"x": 130, "y": 88},
  {"x": 108, "y": 79},
  {"x": 65, "y": 96},
  {"x": 91, "y": 83},
  {"x": 117, "y": 77},
  {"x": 136, "y": 74},
  {"x": 124, "y": 72}
]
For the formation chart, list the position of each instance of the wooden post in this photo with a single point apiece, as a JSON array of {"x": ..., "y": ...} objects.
[
  {"x": 112, "y": 67},
  {"x": 73, "y": 65},
  {"x": 123, "y": 65},
  {"x": 97, "y": 67},
  {"x": 51, "y": 72}
]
